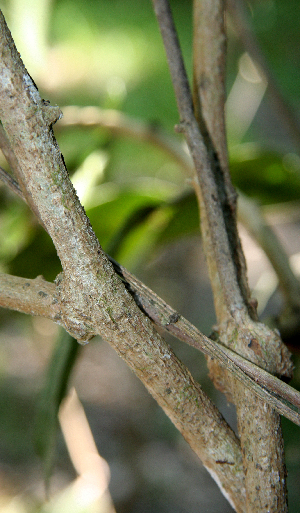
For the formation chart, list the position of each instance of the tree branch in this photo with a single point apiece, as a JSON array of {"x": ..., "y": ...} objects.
[
  {"x": 236, "y": 328},
  {"x": 39, "y": 297},
  {"x": 92, "y": 297},
  {"x": 263, "y": 454},
  {"x": 230, "y": 298},
  {"x": 33, "y": 297}
]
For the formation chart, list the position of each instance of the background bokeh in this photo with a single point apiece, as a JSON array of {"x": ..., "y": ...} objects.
[{"x": 109, "y": 54}]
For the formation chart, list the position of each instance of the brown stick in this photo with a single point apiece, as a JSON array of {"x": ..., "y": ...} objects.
[
  {"x": 39, "y": 297},
  {"x": 236, "y": 328},
  {"x": 254, "y": 417},
  {"x": 230, "y": 294},
  {"x": 92, "y": 297}
]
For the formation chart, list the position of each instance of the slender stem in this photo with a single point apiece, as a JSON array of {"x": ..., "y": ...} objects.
[
  {"x": 230, "y": 292},
  {"x": 33, "y": 297},
  {"x": 122, "y": 124},
  {"x": 209, "y": 52},
  {"x": 254, "y": 417}
]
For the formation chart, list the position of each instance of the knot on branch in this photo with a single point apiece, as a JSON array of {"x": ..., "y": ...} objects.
[
  {"x": 51, "y": 114},
  {"x": 255, "y": 342},
  {"x": 74, "y": 311}
]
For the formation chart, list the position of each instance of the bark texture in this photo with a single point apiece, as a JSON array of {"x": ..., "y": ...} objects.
[
  {"x": 258, "y": 424},
  {"x": 92, "y": 298}
]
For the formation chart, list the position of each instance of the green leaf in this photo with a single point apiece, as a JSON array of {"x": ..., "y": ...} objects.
[
  {"x": 184, "y": 221},
  {"x": 268, "y": 176},
  {"x": 63, "y": 359},
  {"x": 153, "y": 225}
]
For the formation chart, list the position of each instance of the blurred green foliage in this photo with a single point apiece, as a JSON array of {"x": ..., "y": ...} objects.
[{"x": 109, "y": 54}]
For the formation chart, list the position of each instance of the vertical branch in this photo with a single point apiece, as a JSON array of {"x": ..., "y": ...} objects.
[
  {"x": 209, "y": 76},
  {"x": 230, "y": 297},
  {"x": 265, "y": 472},
  {"x": 259, "y": 425},
  {"x": 209, "y": 52}
]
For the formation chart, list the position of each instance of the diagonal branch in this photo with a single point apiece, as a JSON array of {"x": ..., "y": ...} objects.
[
  {"x": 39, "y": 297},
  {"x": 93, "y": 299}
]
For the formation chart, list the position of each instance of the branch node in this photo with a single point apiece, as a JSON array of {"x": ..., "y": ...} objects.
[
  {"x": 180, "y": 127},
  {"x": 51, "y": 114}
]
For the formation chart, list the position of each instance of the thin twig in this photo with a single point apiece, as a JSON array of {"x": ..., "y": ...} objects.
[
  {"x": 33, "y": 297},
  {"x": 123, "y": 124},
  {"x": 230, "y": 293}
]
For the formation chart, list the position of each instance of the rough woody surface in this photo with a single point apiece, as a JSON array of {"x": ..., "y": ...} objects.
[
  {"x": 237, "y": 321},
  {"x": 92, "y": 298}
]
